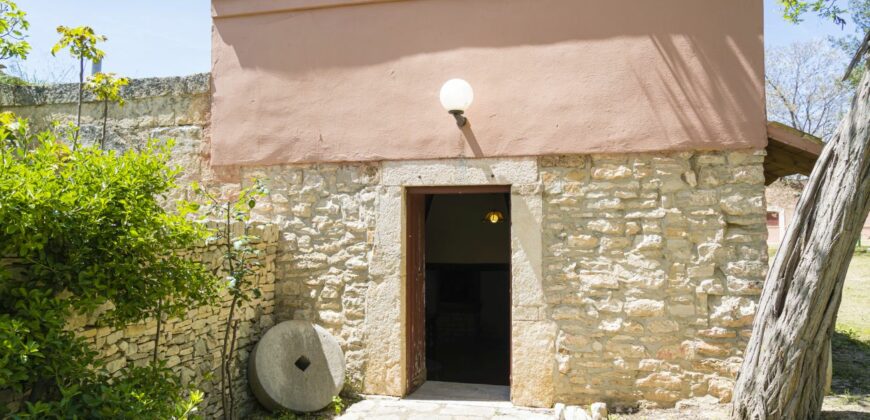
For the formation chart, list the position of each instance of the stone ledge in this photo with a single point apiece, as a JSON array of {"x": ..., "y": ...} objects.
[{"x": 195, "y": 84}]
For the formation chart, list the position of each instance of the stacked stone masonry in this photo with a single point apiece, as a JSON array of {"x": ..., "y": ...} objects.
[
  {"x": 326, "y": 218},
  {"x": 653, "y": 265},
  {"x": 191, "y": 345},
  {"x": 641, "y": 287}
]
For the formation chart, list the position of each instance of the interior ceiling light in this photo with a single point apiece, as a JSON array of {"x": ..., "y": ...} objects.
[{"x": 494, "y": 217}]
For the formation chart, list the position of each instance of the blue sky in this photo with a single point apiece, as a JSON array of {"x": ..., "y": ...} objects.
[
  {"x": 172, "y": 37},
  {"x": 145, "y": 38}
]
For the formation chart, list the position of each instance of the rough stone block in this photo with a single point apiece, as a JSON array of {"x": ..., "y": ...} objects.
[{"x": 644, "y": 308}]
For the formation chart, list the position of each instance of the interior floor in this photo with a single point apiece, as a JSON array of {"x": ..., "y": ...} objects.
[{"x": 467, "y": 290}]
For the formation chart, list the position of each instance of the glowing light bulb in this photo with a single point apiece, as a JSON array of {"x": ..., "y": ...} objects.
[{"x": 494, "y": 217}]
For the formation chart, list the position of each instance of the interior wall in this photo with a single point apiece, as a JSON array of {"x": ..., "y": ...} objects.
[
  {"x": 495, "y": 304},
  {"x": 457, "y": 234}
]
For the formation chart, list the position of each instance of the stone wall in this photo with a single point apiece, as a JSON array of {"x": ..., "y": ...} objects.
[
  {"x": 326, "y": 217},
  {"x": 191, "y": 346},
  {"x": 653, "y": 264},
  {"x": 158, "y": 108},
  {"x": 634, "y": 277},
  {"x": 161, "y": 109}
]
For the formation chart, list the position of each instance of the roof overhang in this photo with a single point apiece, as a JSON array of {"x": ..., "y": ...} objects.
[{"x": 789, "y": 152}]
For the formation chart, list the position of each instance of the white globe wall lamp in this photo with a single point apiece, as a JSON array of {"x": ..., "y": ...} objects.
[{"x": 456, "y": 96}]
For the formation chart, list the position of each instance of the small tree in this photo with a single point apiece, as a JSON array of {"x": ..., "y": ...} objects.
[
  {"x": 107, "y": 88},
  {"x": 804, "y": 86},
  {"x": 82, "y": 44},
  {"x": 240, "y": 260},
  {"x": 793, "y": 10},
  {"x": 13, "y": 23},
  {"x": 859, "y": 10},
  {"x": 82, "y": 229}
]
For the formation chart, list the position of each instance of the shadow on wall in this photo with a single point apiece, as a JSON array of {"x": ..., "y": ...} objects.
[
  {"x": 687, "y": 102},
  {"x": 641, "y": 76},
  {"x": 397, "y": 31}
]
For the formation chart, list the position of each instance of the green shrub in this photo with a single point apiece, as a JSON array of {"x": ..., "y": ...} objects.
[
  {"x": 151, "y": 392},
  {"x": 85, "y": 229}
]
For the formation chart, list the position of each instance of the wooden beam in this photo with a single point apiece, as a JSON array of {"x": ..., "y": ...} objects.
[
  {"x": 789, "y": 152},
  {"x": 467, "y": 189},
  {"x": 783, "y": 134}
]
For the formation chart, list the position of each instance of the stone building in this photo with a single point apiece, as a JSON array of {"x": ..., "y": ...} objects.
[
  {"x": 782, "y": 198},
  {"x": 623, "y": 144},
  {"x": 595, "y": 231}
]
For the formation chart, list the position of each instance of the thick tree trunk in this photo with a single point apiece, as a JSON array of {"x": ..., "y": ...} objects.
[{"x": 784, "y": 366}]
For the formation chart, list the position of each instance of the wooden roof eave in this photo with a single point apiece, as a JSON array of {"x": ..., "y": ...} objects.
[{"x": 789, "y": 152}]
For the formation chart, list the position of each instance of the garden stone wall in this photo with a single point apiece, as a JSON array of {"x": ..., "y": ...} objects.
[
  {"x": 634, "y": 277},
  {"x": 191, "y": 346},
  {"x": 163, "y": 108},
  {"x": 158, "y": 108}
]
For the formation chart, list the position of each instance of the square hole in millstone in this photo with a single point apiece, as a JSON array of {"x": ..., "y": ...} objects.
[{"x": 302, "y": 363}]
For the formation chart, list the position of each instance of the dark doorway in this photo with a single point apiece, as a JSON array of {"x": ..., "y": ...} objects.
[{"x": 466, "y": 285}]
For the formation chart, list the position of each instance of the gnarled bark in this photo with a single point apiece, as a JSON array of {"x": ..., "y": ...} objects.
[{"x": 784, "y": 367}]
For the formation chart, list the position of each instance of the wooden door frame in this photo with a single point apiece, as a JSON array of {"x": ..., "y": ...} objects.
[{"x": 411, "y": 204}]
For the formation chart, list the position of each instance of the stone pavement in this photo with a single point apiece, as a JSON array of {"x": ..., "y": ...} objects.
[{"x": 443, "y": 401}]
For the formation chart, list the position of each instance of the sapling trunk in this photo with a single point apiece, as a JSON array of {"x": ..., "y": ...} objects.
[
  {"x": 232, "y": 394},
  {"x": 226, "y": 354},
  {"x": 157, "y": 337},
  {"x": 79, "y": 109},
  {"x": 226, "y": 350},
  {"x": 105, "y": 122}
]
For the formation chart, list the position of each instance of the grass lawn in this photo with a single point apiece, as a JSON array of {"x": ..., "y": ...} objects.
[
  {"x": 851, "y": 343},
  {"x": 855, "y": 310}
]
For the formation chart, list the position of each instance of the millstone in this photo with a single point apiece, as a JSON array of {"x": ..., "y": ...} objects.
[{"x": 296, "y": 366}]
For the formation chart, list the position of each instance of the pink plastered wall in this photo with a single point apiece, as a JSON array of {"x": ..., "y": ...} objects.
[{"x": 358, "y": 80}]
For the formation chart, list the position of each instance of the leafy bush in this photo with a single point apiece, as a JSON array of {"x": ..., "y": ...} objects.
[
  {"x": 85, "y": 229},
  {"x": 13, "y": 23},
  {"x": 91, "y": 224},
  {"x": 151, "y": 392}
]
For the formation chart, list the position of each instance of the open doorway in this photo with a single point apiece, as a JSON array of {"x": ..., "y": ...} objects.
[{"x": 461, "y": 276}]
